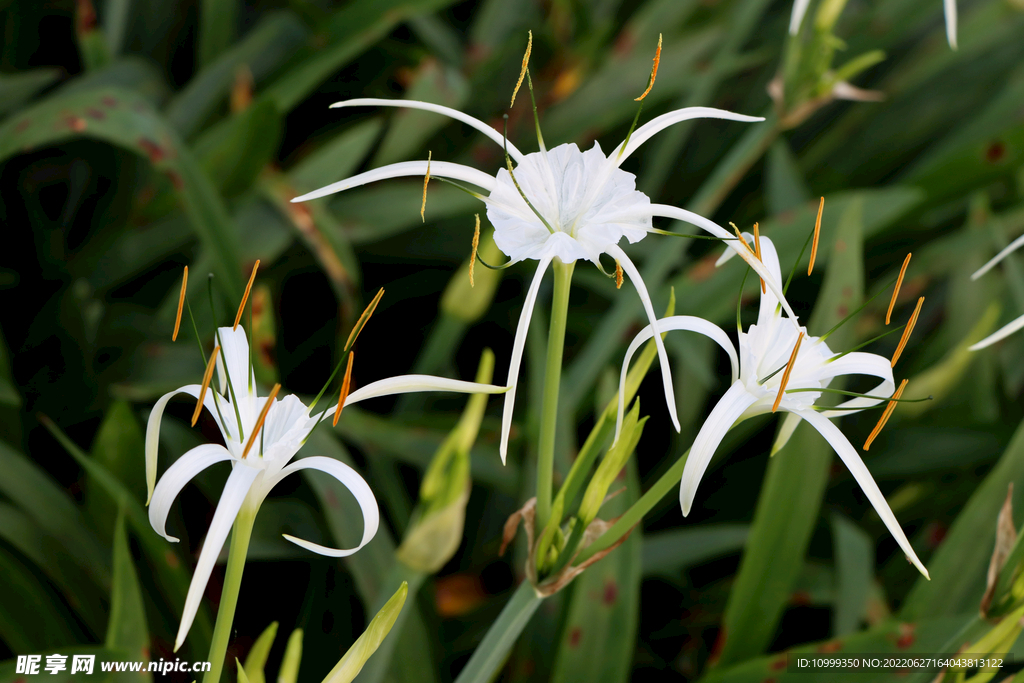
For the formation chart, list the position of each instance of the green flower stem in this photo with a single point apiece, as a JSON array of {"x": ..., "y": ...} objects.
[
  {"x": 237, "y": 551},
  {"x": 493, "y": 650},
  {"x": 552, "y": 381},
  {"x": 636, "y": 512}
]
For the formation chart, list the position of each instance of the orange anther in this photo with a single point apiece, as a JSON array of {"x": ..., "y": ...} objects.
[
  {"x": 346, "y": 383},
  {"x": 207, "y": 376},
  {"x": 181, "y": 305},
  {"x": 263, "y": 416},
  {"x": 785, "y": 375},
  {"x": 906, "y": 332},
  {"x": 896, "y": 292},
  {"x": 817, "y": 233},
  {"x": 245, "y": 297}
]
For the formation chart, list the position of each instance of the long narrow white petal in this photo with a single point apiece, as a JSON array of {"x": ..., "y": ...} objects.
[
  {"x": 722, "y": 417},
  {"x": 153, "y": 429},
  {"x": 1000, "y": 334},
  {"x": 686, "y": 323},
  {"x": 439, "y": 169},
  {"x": 235, "y": 489},
  {"x": 438, "y": 109},
  {"x": 666, "y": 372},
  {"x": 354, "y": 483},
  {"x": 797, "y": 17},
  {"x": 404, "y": 384},
  {"x": 234, "y": 346},
  {"x": 859, "y": 363},
  {"x": 950, "y": 8},
  {"x": 176, "y": 477},
  {"x": 860, "y": 472},
  {"x": 660, "y": 123},
  {"x": 1012, "y": 247},
  {"x": 517, "y": 354},
  {"x": 667, "y": 211}
]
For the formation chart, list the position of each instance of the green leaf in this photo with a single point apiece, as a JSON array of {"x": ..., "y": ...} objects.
[
  {"x": 117, "y": 447},
  {"x": 116, "y": 18},
  {"x": 17, "y": 88},
  {"x": 289, "y": 671},
  {"x": 123, "y": 118},
  {"x": 234, "y": 154},
  {"x": 217, "y": 19},
  {"x": 787, "y": 509},
  {"x": 855, "y": 562},
  {"x": 30, "y": 618},
  {"x": 126, "y": 630},
  {"x": 353, "y": 660},
  {"x": 668, "y": 552},
  {"x": 380, "y": 211},
  {"x": 257, "y": 657},
  {"x": 785, "y": 187},
  {"x": 959, "y": 565},
  {"x": 492, "y": 651},
  {"x": 604, "y": 611},
  {"x": 336, "y": 159}
]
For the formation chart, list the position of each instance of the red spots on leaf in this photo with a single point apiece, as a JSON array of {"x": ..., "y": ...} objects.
[
  {"x": 840, "y": 246},
  {"x": 842, "y": 310},
  {"x": 995, "y": 152},
  {"x": 171, "y": 559},
  {"x": 906, "y": 636},
  {"x": 22, "y": 126},
  {"x": 94, "y": 113},
  {"x": 574, "y": 636},
  {"x": 331, "y": 499},
  {"x": 779, "y": 663},
  {"x": 847, "y": 292},
  {"x": 787, "y": 216},
  {"x": 152, "y": 150},
  {"x": 75, "y": 123},
  {"x": 176, "y": 180},
  {"x": 935, "y": 533},
  {"x": 800, "y": 598},
  {"x": 624, "y": 43},
  {"x": 610, "y": 593},
  {"x": 108, "y": 101},
  {"x": 704, "y": 269},
  {"x": 768, "y": 680},
  {"x": 831, "y": 646}
]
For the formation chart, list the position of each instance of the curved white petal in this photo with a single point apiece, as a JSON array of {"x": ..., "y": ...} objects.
[
  {"x": 517, "y": 354},
  {"x": 404, "y": 384},
  {"x": 686, "y": 323},
  {"x": 660, "y": 123},
  {"x": 437, "y": 109},
  {"x": 354, "y": 483},
  {"x": 949, "y": 6},
  {"x": 860, "y": 472},
  {"x": 235, "y": 489},
  {"x": 667, "y": 211},
  {"x": 858, "y": 363},
  {"x": 722, "y": 417},
  {"x": 666, "y": 372},
  {"x": 769, "y": 301},
  {"x": 153, "y": 429},
  {"x": 1009, "y": 249},
  {"x": 797, "y": 17},
  {"x": 176, "y": 477},
  {"x": 789, "y": 425},
  {"x": 1000, "y": 334},
  {"x": 234, "y": 346},
  {"x": 439, "y": 169}
]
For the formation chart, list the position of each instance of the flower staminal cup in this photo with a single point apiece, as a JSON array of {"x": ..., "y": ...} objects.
[
  {"x": 261, "y": 437},
  {"x": 561, "y": 205},
  {"x": 779, "y": 367}
]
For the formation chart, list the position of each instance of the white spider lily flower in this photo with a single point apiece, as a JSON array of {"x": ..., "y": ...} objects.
[
  {"x": 259, "y": 463},
  {"x": 568, "y": 205},
  {"x": 948, "y": 8},
  {"x": 764, "y": 362},
  {"x": 1009, "y": 328}
]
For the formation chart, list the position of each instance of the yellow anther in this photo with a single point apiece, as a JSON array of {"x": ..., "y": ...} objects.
[
  {"x": 245, "y": 297},
  {"x": 345, "y": 384},
  {"x": 476, "y": 246},
  {"x": 259, "y": 422},
  {"x": 181, "y": 304},
  {"x": 357, "y": 328},
  {"x": 654, "y": 71},
  {"x": 896, "y": 292},
  {"x": 740, "y": 237},
  {"x": 618, "y": 275},
  {"x": 817, "y": 233},
  {"x": 207, "y": 376},
  {"x": 885, "y": 415},
  {"x": 906, "y": 332},
  {"x": 426, "y": 179},
  {"x": 785, "y": 375},
  {"x": 522, "y": 72},
  {"x": 757, "y": 252}
]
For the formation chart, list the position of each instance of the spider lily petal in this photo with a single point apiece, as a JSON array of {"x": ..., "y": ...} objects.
[
  {"x": 949, "y": 8},
  {"x": 351, "y": 479},
  {"x": 439, "y": 169},
  {"x": 238, "y": 485},
  {"x": 438, "y": 109},
  {"x": 1000, "y": 334},
  {"x": 1003, "y": 253},
  {"x": 660, "y": 123},
  {"x": 853, "y": 462},
  {"x": 153, "y": 429},
  {"x": 859, "y": 363},
  {"x": 687, "y": 323},
  {"x": 176, "y": 477},
  {"x": 404, "y": 384}
]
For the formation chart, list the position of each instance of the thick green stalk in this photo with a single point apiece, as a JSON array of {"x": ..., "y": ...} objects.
[
  {"x": 636, "y": 512},
  {"x": 237, "y": 551},
  {"x": 552, "y": 381},
  {"x": 492, "y": 651}
]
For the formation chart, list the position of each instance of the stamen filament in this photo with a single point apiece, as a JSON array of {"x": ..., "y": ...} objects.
[
  {"x": 789, "y": 369},
  {"x": 245, "y": 296},
  {"x": 618, "y": 275},
  {"x": 426, "y": 179},
  {"x": 207, "y": 376},
  {"x": 757, "y": 252},
  {"x": 668, "y": 233},
  {"x": 353, "y": 335},
  {"x": 885, "y": 416},
  {"x": 476, "y": 246},
  {"x": 855, "y": 312},
  {"x": 522, "y": 72},
  {"x": 259, "y": 422},
  {"x": 906, "y": 332},
  {"x": 181, "y": 305},
  {"x": 817, "y": 233},
  {"x": 742, "y": 239},
  {"x": 654, "y": 72},
  {"x": 345, "y": 384},
  {"x": 896, "y": 291},
  {"x": 862, "y": 345}
]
